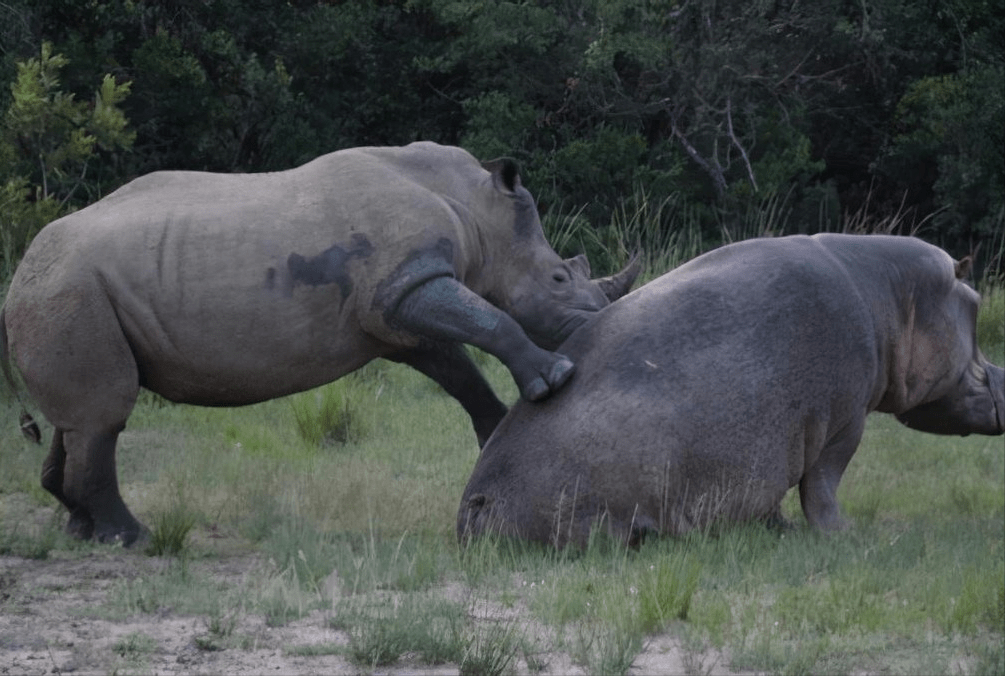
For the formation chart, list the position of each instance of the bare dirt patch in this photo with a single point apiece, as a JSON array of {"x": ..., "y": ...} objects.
[{"x": 60, "y": 616}]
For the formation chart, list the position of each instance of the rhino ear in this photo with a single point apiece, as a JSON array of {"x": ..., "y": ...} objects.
[
  {"x": 964, "y": 267},
  {"x": 580, "y": 263},
  {"x": 505, "y": 173}
]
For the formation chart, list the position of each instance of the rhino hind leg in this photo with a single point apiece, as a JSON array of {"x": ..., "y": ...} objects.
[
  {"x": 80, "y": 524},
  {"x": 85, "y": 379},
  {"x": 450, "y": 366},
  {"x": 91, "y": 490},
  {"x": 444, "y": 309}
]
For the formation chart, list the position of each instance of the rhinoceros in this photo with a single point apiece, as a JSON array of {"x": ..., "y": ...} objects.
[
  {"x": 229, "y": 289},
  {"x": 706, "y": 394}
]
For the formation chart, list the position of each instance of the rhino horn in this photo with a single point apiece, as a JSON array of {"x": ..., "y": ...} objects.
[{"x": 618, "y": 284}]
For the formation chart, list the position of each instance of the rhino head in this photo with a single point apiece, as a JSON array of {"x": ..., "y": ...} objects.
[
  {"x": 961, "y": 392},
  {"x": 547, "y": 296}
]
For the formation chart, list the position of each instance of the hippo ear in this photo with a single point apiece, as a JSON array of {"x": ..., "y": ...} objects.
[
  {"x": 964, "y": 267},
  {"x": 505, "y": 173},
  {"x": 579, "y": 263}
]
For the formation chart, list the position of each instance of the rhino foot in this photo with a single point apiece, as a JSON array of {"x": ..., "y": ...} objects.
[
  {"x": 80, "y": 525},
  {"x": 541, "y": 387},
  {"x": 127, "y": 537}
]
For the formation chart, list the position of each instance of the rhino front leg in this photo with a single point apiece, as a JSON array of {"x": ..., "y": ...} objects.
[
  {"x": 444, "y": 309},
  {"x": 449, "y": 365}
]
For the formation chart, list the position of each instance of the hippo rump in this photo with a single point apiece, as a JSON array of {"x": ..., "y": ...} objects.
[
  {"x": 708, "y": 393},
  {"x": 230, "y": 289}
]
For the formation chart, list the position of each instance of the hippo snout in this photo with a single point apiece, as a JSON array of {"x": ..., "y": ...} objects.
[{"x": 472, "y": 517}]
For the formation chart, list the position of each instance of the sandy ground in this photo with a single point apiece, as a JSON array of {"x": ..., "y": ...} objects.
[{"x": 48, "y": 626}]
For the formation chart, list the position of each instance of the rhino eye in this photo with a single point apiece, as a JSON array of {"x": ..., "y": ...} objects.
[{"x": 560, "y": 277}]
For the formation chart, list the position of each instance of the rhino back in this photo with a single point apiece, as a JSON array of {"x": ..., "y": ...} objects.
[
  {"x": 240, "y": 287},
  {"x": 722, "y": 378}
]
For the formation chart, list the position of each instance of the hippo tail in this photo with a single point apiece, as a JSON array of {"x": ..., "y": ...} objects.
[{"x": 29, "y": 428}]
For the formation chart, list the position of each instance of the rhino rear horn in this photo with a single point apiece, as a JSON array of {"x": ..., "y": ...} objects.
[
  {"x": 620, "y": 283},
  {"x": 964, "y": 266}
]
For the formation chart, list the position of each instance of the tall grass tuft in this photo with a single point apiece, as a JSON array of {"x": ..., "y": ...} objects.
[
  {"x": 991, "y": 322},
  {"x": 490, "y": 649},
  {"x": 665, "y": 591},
  {"x": 382, "y": 630},
  {"x": 330, "y": 415},
  {"x": 170, "y": 530}
]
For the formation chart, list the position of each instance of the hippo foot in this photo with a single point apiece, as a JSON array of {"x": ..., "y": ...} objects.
[
  {"x": 778, "y": 523},
  {"x": 543, "y": 386}
]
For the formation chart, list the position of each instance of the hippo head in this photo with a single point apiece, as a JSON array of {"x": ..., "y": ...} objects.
[
  {"x": 961, "y": 392},
  {"x": 548, "y": 296}
]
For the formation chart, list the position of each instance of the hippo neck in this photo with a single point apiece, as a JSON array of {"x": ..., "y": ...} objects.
[
  {"x": 885, "y": 282},
  {"x": 896, "y": 290}
]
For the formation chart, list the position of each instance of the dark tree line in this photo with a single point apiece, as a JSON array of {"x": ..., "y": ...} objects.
[{"x": 816, "y": 110}]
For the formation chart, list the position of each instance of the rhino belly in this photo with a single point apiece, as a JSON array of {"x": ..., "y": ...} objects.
[{"x": 235, "y": 377}]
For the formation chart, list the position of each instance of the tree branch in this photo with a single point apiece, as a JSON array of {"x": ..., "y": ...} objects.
[
  {"x": 736, "y": 142},
  {"x": 714, "y": 173}
]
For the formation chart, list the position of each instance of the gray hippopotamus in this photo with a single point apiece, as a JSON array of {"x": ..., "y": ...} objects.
[
  {"x": 709, "y": 392},
  {"x": 229, "y": 289}
]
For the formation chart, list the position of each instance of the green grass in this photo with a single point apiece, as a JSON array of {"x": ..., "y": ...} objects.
[{"x": 360, "y": 528}]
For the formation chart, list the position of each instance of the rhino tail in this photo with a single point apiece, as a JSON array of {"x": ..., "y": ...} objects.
[
  {"x": 620, "y": 283},
  {"x": 29, "y": 428}
]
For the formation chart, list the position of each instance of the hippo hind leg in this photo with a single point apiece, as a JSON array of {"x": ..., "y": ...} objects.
[{"x": 818, "y": 486}]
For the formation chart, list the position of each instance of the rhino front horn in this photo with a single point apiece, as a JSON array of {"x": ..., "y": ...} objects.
[{"x": 618, "y": 284}]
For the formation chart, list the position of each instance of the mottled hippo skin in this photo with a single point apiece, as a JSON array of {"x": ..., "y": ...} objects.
[
  {"x": 223, "y": 290},
  {"x": 711, "y": 391}
]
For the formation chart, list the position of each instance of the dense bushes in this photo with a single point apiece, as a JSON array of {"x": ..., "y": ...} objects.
[{"x": 810, "y": 110}]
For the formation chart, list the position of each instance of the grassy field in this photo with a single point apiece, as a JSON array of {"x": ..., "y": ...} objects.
[{"x": 345, "y": 500}]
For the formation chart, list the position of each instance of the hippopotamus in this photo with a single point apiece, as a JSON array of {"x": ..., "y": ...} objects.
[
  {"x": 230, "y": 289},
  {"x": 703, "y": 396}
]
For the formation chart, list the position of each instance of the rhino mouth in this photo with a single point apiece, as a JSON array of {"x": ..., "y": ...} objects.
[{"x": 551, "y": 339}]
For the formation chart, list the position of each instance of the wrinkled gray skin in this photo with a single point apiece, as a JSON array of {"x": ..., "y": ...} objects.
[
  {"x": 711, "y": 391},
  {"x": 223, "y": 290}
]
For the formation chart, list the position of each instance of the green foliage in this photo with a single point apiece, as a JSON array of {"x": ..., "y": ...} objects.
[
  {"x": 954, "y": 125},
  {"x": 48, "y": 139},
  {"x": 820, "y": 109}
]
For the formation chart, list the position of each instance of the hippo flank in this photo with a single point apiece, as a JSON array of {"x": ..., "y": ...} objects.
[
  {"x": 230, "y": 289},
  {"x": 708, "y": 393}
]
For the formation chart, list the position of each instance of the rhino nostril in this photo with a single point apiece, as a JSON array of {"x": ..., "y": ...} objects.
[{"x": 476, "y": 501}]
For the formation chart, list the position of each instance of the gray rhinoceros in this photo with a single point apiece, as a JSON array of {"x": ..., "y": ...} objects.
[
  {"x": 230, "y": 289},
  {"x": 708, "y": 393}
]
